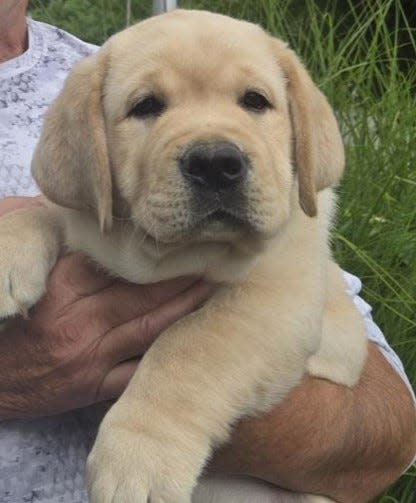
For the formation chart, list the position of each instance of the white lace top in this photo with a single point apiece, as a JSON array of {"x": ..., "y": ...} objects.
[{"x": 42, "y": 460}]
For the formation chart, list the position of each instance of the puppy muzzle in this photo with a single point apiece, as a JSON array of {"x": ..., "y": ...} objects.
[{"x": 216, "y": 173}]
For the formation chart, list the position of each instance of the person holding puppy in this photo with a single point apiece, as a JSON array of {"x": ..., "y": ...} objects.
[{"x": 88, "y": 328}]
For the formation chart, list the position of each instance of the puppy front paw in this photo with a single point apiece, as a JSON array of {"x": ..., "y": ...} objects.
[
  {"x": 22, "y": 282},
  {"x": 129, "y": 466},
  {"x": 28, "y": 251}
]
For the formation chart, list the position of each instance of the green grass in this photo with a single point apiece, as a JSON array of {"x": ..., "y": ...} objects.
[{"x": 362, "y": 54}]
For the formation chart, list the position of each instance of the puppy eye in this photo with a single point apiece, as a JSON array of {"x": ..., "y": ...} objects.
[
  {"x": 147, "y": 107},
  {"x": 254, "y": 101}
]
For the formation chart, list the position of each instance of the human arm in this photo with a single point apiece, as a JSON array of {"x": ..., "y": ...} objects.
[{"x": 348, "y": 444}]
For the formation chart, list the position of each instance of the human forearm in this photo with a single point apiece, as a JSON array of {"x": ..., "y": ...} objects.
[{"x": 327, "y": 439}]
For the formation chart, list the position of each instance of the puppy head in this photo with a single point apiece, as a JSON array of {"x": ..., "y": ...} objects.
[{"x": 194, "y": 125}]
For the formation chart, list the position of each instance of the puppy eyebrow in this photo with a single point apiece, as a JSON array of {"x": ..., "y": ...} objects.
[
  {"x": 261, "y": 90},
  {"x": 146, "y": 84},
  {"x": 254, "y": 82}
]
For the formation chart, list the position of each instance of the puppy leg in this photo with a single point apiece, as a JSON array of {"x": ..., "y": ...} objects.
[
  {"x": 196, "y": 379},
  {"x": 343, "y": 347},
  {"x": 247, "y": 490},
  {"x": 29, "y": 246}
]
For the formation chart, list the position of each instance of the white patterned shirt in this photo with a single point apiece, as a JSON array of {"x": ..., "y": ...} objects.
[
  {"x": 43, "y": 460},
  {"x": 28, "y": 85}
]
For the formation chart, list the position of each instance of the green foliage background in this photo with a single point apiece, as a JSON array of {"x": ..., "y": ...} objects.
[{"x": 362, "y": 54}]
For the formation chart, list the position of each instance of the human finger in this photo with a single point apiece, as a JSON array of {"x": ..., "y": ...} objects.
[
  {"x": 78, "y": 276},
  {"x": 134, "y": 338},
  {"x": 116, "y": 381},
  {"x": 123, "y": 302}
]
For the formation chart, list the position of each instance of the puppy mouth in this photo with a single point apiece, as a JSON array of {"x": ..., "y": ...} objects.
[
  {"x": 219, "y": 225},
  {"x": 215, "y": 217},
  {"x": 225, "y": 218}
]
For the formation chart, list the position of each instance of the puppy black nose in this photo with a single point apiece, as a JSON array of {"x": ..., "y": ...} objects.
[{"x": 215, "y": 166}]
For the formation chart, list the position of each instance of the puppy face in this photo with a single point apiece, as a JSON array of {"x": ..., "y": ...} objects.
[{"x": 196, "y": 126}]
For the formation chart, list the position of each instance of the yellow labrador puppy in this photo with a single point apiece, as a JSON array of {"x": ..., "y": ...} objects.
[{"x": 193, "y": 143}]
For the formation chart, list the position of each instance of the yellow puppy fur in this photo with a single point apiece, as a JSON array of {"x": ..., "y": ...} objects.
[{"x": 115, "y": 191}]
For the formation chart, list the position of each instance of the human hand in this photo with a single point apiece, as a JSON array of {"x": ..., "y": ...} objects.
[{"x": 82, "y": 342}]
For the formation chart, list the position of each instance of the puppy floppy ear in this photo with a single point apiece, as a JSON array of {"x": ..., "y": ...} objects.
[
  {"x": 318, "y": 147},
  {"x": 70, "y": 163}
]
